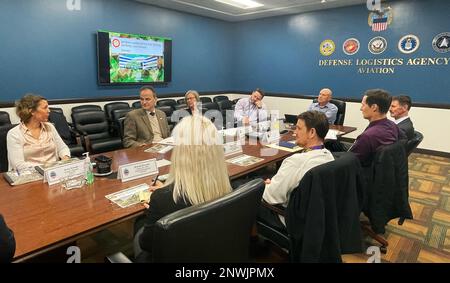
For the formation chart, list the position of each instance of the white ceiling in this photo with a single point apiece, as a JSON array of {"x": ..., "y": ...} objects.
[{"x": 214, "y": 9}]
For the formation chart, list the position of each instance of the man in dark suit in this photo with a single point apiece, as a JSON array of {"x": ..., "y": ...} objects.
[
  {"x": 146, "y": 125},
  {"x": 399, "y": 110}
]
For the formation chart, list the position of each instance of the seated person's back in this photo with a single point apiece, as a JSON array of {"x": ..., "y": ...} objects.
[{"x": 197, "y": 150}]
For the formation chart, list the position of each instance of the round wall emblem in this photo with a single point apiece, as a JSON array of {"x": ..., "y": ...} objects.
[
  {"x": 377, "y": 45},
  {"x": 327, "y": 47},
  {"x": 351, "y": 46},
  {"x": 408, "y": 44},
  {"x": 441, "y": 42}
]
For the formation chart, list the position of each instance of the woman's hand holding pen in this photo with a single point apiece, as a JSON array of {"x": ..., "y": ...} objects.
[{"x": 156, "y": 185}]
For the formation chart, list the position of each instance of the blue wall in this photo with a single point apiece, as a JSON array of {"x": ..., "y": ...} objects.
[
  {"x": 281, "y": 54},
  {"x": 52, "y": 51}
]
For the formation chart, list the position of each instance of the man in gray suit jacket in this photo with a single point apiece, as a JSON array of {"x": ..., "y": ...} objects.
[
  {"x": 399, "y": 110},
  {"x": 146, "y": 125}
]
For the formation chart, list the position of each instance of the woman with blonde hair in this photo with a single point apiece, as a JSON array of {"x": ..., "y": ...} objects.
[
  {"x": 198, "y": 174},
  {"x": 34, "y": 141}
]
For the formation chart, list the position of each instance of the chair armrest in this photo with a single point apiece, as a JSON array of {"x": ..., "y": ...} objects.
[
  {"x": 274, "y": 208},
  {"x": 117, "y": 258}
]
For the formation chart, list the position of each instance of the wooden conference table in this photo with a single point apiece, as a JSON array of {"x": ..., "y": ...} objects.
[{"x": 45, "y": 217}]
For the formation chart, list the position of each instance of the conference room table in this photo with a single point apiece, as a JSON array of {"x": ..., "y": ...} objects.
[{"x": 46, "y": 217}]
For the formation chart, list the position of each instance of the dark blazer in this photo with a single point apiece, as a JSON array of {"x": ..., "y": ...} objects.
[
  {"x": 406, "y": 126},
  {"x": 7, "y": 242},
  {"x": 387, "y": 190},
  {"x": 322, "y": 217},
  {"x": 161, "y": 204},
  {"x": 137, "y": 128}
]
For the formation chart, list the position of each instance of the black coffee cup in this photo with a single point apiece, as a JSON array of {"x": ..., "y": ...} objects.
[{"x": 103, "y": 164}]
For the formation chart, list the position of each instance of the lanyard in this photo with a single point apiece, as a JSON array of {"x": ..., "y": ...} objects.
[{"x": 313, "y": 148}]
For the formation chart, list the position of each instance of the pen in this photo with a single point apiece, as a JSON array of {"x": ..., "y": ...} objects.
[{"x": 156, "y": 179}]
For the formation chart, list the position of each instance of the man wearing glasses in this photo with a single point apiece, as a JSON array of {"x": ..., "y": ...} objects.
[{"x": 146, "y": 125}]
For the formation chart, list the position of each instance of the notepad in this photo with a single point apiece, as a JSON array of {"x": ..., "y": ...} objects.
[{"x": 287, "y": 144}]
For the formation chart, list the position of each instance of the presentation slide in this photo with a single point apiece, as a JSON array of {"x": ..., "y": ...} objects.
[{"x": 136, "y": 58}]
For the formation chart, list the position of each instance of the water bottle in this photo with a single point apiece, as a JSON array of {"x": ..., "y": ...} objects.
[{"x": 89, "y": 169}]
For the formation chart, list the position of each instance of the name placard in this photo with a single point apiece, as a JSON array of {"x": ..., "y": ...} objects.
[
  {"x": 232, "y": 148},
  {"x": 135, "y": 170},
  {"x": 55, "y": 174},
  {"x": 271, "y": 137}
]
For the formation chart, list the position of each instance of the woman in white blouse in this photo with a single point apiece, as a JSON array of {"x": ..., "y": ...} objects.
[{"x": 34, "y": 141}]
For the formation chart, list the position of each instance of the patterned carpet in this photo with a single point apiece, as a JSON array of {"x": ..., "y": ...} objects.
[{"x": 426, "y": 239}]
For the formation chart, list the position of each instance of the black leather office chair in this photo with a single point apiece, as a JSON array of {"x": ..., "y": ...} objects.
[
  {"x": 70, "y": 137},
  {"x": 210, "y": 106},
  {"x": 225, "y": 105},
  {"x": 94, "y": 127},
  {"x": 4, "y": 118},
  {"x": 340, "y": 115},
  {"x": 220, "y": 98},
  {"x": 56, "y": 109},
  {"x": 166, "y": 102},
  {"x": 168, "y": 110},
  {"x": 109, "y": 107},
  {"x": 4, "y": 129},
  {"x": 180, "y": 106},
  {"x": 322, "y": 216},
  {"x": 120, "y": 123},
  {"x": 116, "y": 114},
  {"x": 205, "y": 99},
  {"x": 414, "y": 142},
  {"x": 84, "y": 108},
  {"x": 136, "y": 105},
  {"x": 387, "y": 191},
  {"x": 226, "y": 108},
  {"x": 216, "y": 231}
]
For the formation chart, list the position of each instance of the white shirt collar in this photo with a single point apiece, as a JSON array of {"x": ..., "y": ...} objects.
[{"x": 400, "y": 120}]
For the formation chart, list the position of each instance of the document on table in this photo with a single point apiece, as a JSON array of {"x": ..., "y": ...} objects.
[
  {"x": 159, "y": 148},
  {"x": 244, "y": 160},
  {"x": 285, "y": 146},
  {"x": 333, "y": 134},
  {"x": 130, "y": 196},
  {"x": 167, "y": 141}
]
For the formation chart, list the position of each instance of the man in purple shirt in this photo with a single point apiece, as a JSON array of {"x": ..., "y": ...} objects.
[{"x": 381, "y": 131}]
